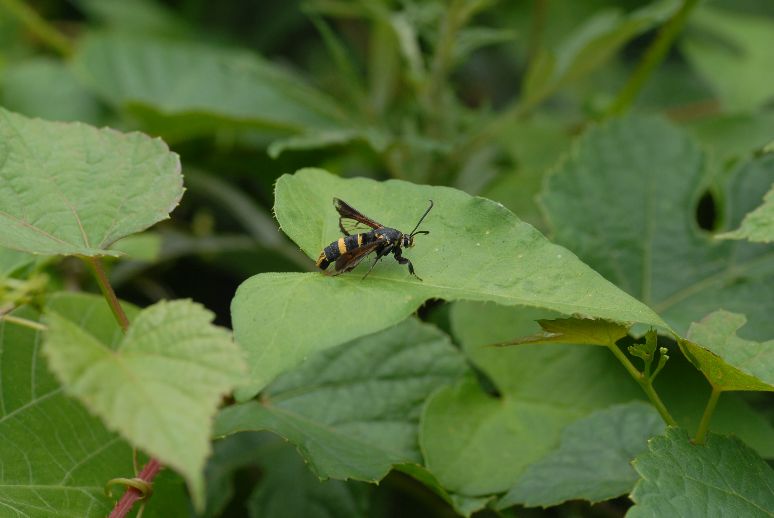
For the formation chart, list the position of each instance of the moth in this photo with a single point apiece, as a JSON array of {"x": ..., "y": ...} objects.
[{"x": 348, "y": 251}]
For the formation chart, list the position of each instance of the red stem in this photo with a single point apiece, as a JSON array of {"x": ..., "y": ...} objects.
[{"x": 131, "y": 495}]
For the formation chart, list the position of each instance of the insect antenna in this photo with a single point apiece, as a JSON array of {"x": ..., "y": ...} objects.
[{"x": 414, "y": 232}]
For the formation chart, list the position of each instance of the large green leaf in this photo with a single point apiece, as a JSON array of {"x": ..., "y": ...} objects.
[
  {"x": 730, "y": 50},
  {"x": 758, "y": 225},
  {"x": 722, "y": 477},
  {"x": 183, "y": 88},
  {"x": 55, "y": 457},
  {"x": 593, "y": 461},
  {"x": 728, "y": 361},
  {"x": 160, "y": 387},
  {"x": 624, "y": 201},
  {"x": 476, "y": 444},
  {"x": 69, "y": 188},
  {"x": 476, "y": 250},
  {"x": 378, "y": 383},
  {"x": 27, "y": 88}
]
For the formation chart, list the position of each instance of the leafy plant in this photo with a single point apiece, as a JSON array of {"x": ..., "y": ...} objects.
[{"x": 592, "y": 332}]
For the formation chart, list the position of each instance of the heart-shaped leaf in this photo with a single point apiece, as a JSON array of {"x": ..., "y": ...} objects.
[
  {"x": 477, "y": 444},
  {"x": 645, "y": 238},
  {"x": 69, "y": 188},
  {"x": 160, "y": 387},
  {"x": 476, "y": 250}
]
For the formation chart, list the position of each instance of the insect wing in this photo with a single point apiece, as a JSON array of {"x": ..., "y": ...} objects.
[
  {"x": 350, "y": 219},
  {"x": 349, "y": 260}
]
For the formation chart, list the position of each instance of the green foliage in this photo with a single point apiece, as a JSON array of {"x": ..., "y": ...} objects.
[
  {"x": 378, "y": 383},
  {"x": 679, "y": 478},
  {"x": 56, "y": 457},
  {"x": 758, "y": 225},
  {"x": 153, "y": 79},
  {"x": 728, "y": 361},
  {"x": 652, "y": 221},
  {"x": 648, "y": 242},
  {"x": 115, "y": 184},
  {"x": 515, "y": 264},
  {"x": 729, "y": 49},
  {"x": 593, "y": 460},
  {"x": 165, "y": 376}
]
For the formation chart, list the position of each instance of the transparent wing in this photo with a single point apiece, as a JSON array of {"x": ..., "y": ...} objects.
[{"x": 352, "y": 220}]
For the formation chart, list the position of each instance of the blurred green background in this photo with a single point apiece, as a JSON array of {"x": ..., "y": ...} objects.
[{"x": 480, "y": 95}]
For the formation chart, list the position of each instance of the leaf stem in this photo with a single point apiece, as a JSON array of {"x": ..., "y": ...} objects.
[
  {"x": 131, "y": 495},
  {"x": 23, "y": 322},
  {"x": 653, "y": 57},
  {"x": 701, "y": 433},
  {"x": 644, "y": 382},
  {"x": 37, "y": 25},
  {"x": 107, "y": 292}
]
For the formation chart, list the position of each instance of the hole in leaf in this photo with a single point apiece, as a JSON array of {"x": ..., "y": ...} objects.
[{"x": 706, "y": 212}]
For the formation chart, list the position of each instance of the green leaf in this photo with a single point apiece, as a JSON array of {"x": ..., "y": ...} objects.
[
  {"x": 185, "y": 89},
  {"x": 69, "y": 188},
  {"x": 593, "y": 461},
  {"x": 625, "y": 200},
  {"x": 464, "y": 435},
  {"x": 730, "y": 50},
  {"x": 27, "y": 88},
  {"x": 379, "y": 383},
  {"x": 476, "y": 444},
  {"x": 679, "y": 478},
  {"x": 289, "y": 489},
  {"x": 477, "y": 250},
  {"x": 160, "y": 387},
  {"x": 575, "y": 331},
  {"x": 56, "y": 457},
  {"x": 758, "y": 225},
  {"x": 728, "y": 361}
]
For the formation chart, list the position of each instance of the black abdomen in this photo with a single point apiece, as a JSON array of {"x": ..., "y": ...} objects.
[{"x": 341, "y": 246}]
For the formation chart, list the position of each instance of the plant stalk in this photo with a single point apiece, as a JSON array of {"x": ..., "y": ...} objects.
[
  {"x": 645, "y": 383},
  {"x": 131, "y": 495},
  {"x": 38, "y": 26},
  {"x": 709, "y": 410},
  {"x": 653, "y": 57},
  {"x": 23, "y": 322},
  {"x": 107, "y": 291},
  {"x": 151, "y": 469}
]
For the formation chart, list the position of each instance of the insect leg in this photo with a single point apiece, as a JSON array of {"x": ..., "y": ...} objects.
[
  {"x": 402, "y": 260},
  {"x": 379, "y": 254}
]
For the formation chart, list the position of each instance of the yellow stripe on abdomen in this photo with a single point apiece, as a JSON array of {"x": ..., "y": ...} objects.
[{"x": 342, "y": 246}]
